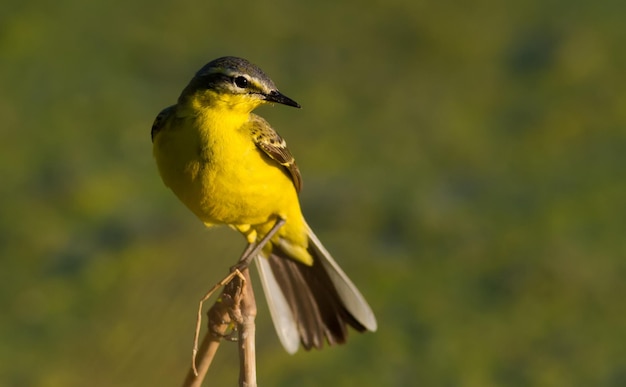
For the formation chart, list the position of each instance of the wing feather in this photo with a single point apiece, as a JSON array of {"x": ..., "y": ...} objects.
[
  {"x": 160, "y": 120},
  {"x": 275, "y": 147}
]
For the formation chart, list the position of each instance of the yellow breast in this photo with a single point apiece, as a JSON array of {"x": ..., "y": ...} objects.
[{"x": 212, "y": 164}]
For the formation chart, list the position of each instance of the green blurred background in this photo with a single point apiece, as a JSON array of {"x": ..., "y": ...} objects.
[{"x": 463, "y": 162}]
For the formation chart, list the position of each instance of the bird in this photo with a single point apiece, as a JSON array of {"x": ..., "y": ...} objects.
[{"x": 230, "y": 167}]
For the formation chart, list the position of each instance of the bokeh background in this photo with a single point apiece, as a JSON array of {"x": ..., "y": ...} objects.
[{"x": 463, "y": 161}]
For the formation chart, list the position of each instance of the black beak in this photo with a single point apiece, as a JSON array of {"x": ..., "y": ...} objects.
[{"x": 276, "y": 96}]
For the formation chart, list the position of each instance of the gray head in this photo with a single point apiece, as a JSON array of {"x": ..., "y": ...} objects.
[{"x": 232, "y": 76}]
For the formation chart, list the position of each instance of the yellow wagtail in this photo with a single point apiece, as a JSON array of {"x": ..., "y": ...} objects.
[{"x": 228, "y": 166}]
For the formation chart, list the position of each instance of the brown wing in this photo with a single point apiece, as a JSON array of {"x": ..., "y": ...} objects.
[
  {"x": 160, "y": 120},
  {"x": 275, "y": 147}
]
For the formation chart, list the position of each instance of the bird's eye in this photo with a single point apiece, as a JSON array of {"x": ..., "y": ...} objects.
[{"x": 241, "y": 82}]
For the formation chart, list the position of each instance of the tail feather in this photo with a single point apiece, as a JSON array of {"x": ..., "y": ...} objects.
[
  {"x": 351, "y": 297},
  {"x": 285, "y": 324},
  {"x": 312, "y": 304}
]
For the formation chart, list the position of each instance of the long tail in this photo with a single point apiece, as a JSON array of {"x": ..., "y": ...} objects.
[{"x": 312, "y": 304}]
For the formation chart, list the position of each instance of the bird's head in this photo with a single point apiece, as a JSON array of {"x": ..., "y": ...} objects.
[{"x": 232, "y": 83}]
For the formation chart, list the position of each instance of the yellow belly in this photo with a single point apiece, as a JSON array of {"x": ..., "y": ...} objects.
[
  {"x": 243, "y": 189},
  {"x": 249, "y": 193},
  {"x": 230, "y": 181}
]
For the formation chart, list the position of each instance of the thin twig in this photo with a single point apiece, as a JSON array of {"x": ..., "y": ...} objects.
[
  {"x": 247, "y": 330},
  {"x": 220, "y": 320},
  {"x": 235, "y": 305},
  {"x": 223, "y": 282},
  {"x": 207, "y": 351}
]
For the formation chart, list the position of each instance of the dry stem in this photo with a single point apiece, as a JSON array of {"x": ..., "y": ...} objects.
[{"x": 235, "y": 307}]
